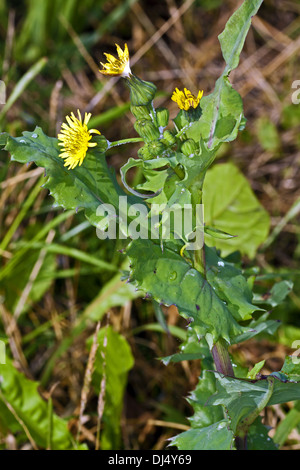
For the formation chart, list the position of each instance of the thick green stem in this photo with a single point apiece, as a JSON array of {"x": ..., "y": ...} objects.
[{"x": 199, "y": 261}]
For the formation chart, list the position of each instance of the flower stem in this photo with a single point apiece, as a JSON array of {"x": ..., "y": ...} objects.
[{"x": 133, "y": 140}]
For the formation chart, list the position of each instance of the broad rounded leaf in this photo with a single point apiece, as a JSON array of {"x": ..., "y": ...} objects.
[
  {"x": 23, "y": 396},
  {"x": 231, "y": 206}
]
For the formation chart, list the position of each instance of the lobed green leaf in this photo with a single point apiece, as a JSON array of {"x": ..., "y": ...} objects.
[{"x": 170, "y": 279}]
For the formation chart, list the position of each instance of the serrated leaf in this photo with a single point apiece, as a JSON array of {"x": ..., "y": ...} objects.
[
  {"x": 192, "y": 349},
  {"x": 204, "y": 415},
  {"x": 171, "y": 280},
  {"x": 87, "y": 186},
  {"x": 243, "y": 398},
  {"x": 155, "y": 180},
  {"x": 256, "y": 327},
  {"x": 216, "y": 436},
  {"x": 230, "y": 285},
  {"x": 291, "y": 368}
]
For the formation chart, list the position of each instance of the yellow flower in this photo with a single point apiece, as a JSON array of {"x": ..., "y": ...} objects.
[
  {"x": 116, "y": 66},
  {"x": 185, "y": 99},
  {"x": 75, "y": 139}
]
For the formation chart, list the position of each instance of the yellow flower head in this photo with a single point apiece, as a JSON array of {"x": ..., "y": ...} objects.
[
  {"x": 185, "y": 99},
  {"x": 75, "y": 139},
  {"x": 117, "y": 66}
]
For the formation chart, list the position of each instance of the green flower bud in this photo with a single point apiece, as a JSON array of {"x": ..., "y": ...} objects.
[
  {"x": 162, "y": 116},
  {"x": 144, "y": 153},
  {"x": 152, "y": 150},
  {"x": 141, "y": 92},
  {"x": 156, "y": 148},
  {"x": 102, "y": 144},
  {"x": 146, "y": 129},
  {"x": 189, "y": 147},
  {"x": 141, "y": 112},
  {"x": 168, "y": 138}
]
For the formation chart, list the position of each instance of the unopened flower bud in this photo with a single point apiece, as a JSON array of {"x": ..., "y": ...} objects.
[
  {"x": 141, "y": 112},
  {"x": 156, "y": 148},
  {"x": 102, "y": 144},
  {"x": 162, "y": 116},
  {"x": 189, "y": 147},
  {"x": 146, "y": 129},
  {"x": 141, "y": 92},
  {"x": 168, "y": 138}
]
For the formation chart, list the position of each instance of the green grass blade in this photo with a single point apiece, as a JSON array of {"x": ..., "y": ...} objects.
[{"x": 23, "y": 84}]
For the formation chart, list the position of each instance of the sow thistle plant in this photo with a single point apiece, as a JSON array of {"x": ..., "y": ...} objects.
[{"x": 214, "y": 295}]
